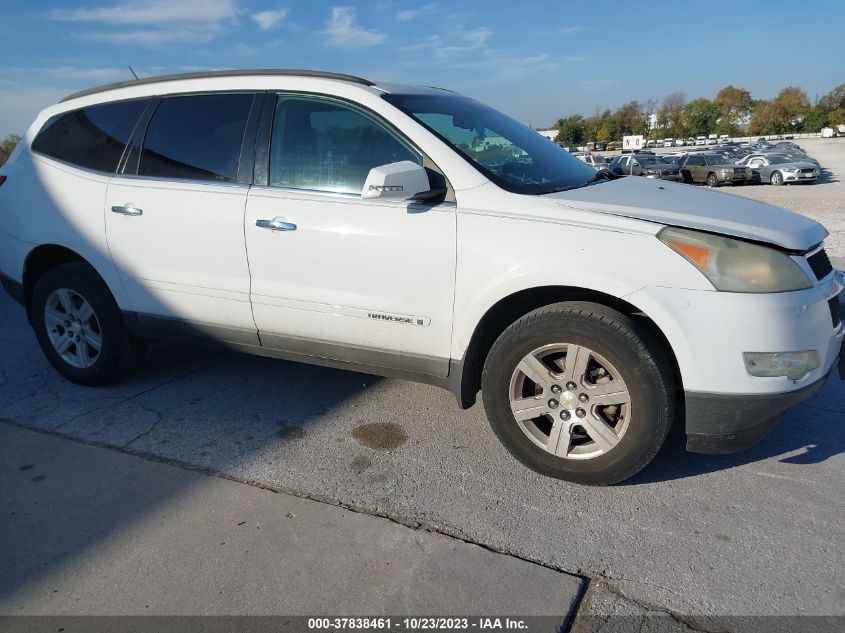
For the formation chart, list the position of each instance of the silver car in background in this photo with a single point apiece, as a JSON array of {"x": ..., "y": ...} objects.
[
  {"x": 778, "y": 169},
  {"x": 596, "y": 162}
]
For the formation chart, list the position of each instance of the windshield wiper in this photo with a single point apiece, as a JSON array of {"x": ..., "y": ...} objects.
[{"x": 604, "y": 174}]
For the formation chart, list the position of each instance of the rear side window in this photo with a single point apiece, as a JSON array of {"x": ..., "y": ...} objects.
[
  {"x": 93, "y": 137},
  {"x": 196, "y": 137}
]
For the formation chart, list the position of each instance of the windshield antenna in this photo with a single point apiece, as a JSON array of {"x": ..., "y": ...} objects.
[{"x": 134, "y": 74}]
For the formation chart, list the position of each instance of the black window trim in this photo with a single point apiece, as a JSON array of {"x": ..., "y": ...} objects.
[
  {"x": 97, "y": 172},
  {"x": 246, "y": 157},
  {"x": 261, "y": 172}
]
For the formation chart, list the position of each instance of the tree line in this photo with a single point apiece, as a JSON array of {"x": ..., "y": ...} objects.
[{"x": 729, "y": 112}]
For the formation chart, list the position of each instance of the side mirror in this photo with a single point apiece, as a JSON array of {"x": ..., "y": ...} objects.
[{"x": 396, "y": 181}]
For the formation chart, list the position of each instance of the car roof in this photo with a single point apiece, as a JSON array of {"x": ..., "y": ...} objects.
[{"x": 258, "y": 72}]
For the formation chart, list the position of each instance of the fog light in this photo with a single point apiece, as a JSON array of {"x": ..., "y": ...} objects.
[{"x": 793, "y": 365}]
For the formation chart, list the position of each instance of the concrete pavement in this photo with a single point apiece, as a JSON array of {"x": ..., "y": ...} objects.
[{"x": 87, "y": 530}]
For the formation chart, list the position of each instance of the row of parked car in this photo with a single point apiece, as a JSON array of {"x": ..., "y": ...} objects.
[{"x": 761, "y": 162}]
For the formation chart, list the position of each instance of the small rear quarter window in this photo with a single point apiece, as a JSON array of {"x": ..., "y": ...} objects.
[{"x": 92, "y": 137}]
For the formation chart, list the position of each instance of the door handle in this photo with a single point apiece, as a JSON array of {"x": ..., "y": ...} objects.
[
  {"x": 275, "y": 225},
  {"x": 127, "y": 209}
]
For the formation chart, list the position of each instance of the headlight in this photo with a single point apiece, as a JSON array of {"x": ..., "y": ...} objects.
[
  {"x": 790, "y": 169},
  {"x": 734, "y": 265},
  {"x": 729, "y": 171}
]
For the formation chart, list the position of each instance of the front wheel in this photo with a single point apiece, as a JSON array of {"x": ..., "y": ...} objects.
[
  {"x": 776, "y": 178},
  {"x": 712, "y": 181},
  {"x": 79, "y": 326},
  {"x": 577, "y": 391}
]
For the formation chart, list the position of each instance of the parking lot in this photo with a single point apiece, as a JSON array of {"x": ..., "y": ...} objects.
[{"x": 696, "y": 536}]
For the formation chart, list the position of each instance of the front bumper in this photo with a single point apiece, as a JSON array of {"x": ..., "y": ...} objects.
[
  {"x": 800, "y": 177},
  {"x": 727, "y": 423},
  {"x": 670, "y": 177}
]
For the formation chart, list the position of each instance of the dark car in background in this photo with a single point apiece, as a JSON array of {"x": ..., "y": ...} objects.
[{"x": 647, "y": 165}]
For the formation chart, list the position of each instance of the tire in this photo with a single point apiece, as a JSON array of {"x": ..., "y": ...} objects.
[
  {"x": 686, "y": 176},
  {"x": 776, "y": 178},
  {"x": 595, "y": 457},
  {"x": 712, "y": 181},
  {"x": 73, "y": 312}
]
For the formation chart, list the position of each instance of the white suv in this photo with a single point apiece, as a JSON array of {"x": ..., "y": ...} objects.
[{"x": 413, "y": 232}]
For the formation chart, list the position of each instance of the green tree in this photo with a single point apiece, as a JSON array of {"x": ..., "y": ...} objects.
[
  {"x": 814, "y": 120},
  {"x": 7, "y": 145},
  {"x": 734, "y": 105},
  {"x": 630, "y": 119},
  {"x": 766, "y": 119},
  {"x": 571, "y": 130},
  {"x": 833, "y": 100},
  {"x": 790, "y": 106},
  {"x": 837, "y": 117},
  {"x": 700, "y": 116}
]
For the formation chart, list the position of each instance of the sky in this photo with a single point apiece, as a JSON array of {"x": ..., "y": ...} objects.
[{"x": 535, "y": 60}]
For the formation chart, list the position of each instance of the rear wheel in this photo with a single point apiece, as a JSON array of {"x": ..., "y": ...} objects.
[
  {"x": 79, "y": 326},
  {"x": 776, "y": 178},
  {"x": 712, "y": 181},
  {"x": 576, "y": 391}
]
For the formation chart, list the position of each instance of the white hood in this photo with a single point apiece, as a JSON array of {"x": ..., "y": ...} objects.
[{"x": 696, "y": 208}]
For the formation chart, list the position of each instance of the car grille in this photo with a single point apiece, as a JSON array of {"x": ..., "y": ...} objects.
[
  {"x": 835, "y": 307},
  {"x": 808, "y": 170},
  {"x": 820, "y": 264}
]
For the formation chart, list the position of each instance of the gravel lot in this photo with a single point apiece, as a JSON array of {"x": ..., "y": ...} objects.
[{"x": 760, "y": 532}]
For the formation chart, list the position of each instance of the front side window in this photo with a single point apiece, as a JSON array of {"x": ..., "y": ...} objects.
[
  {"x": 93, "y": 137},
  {"x": 323, "y": 145},
  {"x": 196, "y": 137},
  {"x": 513, "y": 156}
]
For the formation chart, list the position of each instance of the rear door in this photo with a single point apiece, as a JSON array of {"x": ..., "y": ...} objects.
[{"x": 174, "y": 216}]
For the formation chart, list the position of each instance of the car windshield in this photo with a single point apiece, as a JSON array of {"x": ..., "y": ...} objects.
[
  {"x": 778, "y": 160},
  {"x": 510, "y": 154},
  {"x": 651, "y": 160}
]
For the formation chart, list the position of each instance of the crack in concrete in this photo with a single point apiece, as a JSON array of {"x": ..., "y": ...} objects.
[
  {"x": 593, "y": 582},
  {"x": 601, "y": 584},
  {"x": 159, "y": 417}
]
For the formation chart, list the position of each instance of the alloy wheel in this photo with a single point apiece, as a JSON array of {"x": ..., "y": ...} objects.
[
  {"x": 570, "y": 401},
  {"x": 73, "y": 328}
]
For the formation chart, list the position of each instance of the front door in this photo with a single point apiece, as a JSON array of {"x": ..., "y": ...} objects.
[
  {"x": 337, "y": 276},
  {"x": 175, "y": 225}
]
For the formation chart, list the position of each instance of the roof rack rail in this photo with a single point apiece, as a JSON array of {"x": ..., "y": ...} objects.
[{"x": 249, "y": 72}]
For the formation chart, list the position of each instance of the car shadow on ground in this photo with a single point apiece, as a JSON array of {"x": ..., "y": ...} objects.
[
  {"x": 826, "y": 176},
  {"x": 239, "y": 406},
  {"x": 804, "y": 435}
]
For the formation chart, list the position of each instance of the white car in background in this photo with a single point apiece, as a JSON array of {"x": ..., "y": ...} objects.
[
  {"x": 596, "y": 162},
  {"x": 413, "y": 232}
]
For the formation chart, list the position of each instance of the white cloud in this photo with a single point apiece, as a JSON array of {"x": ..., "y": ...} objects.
[
  {"x": 153, "y": 12},
  {"x": 412, "y": 14},
  {"x": 343, "y": 30},
  {"x": 152, "y": 38},
  {"x": 469, "y": 40},
  {"x": 453, "y": 43},
  {"x": 268, "y": 19}
]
